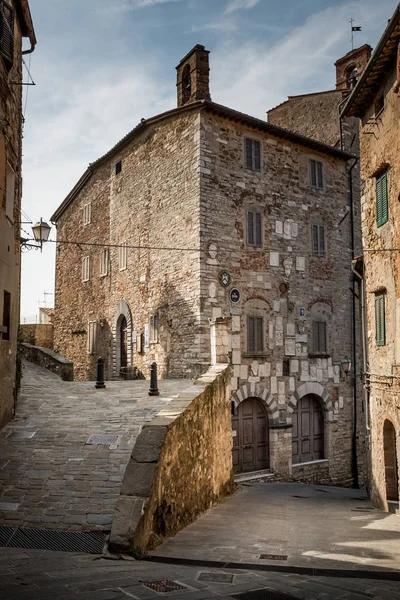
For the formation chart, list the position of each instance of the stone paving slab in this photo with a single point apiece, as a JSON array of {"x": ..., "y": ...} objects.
[
  {"x": 42, "y": 575},
  {"x": 314, "y": 526},
  {"x": 53, "y": 479}
]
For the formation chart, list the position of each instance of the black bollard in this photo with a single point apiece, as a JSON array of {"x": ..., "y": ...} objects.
[
  {"x": 100, "y": 374},
  {"x": 153, "y": 391}
]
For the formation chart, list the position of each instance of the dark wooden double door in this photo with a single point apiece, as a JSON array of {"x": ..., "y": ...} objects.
[
  {"x": 250, "y": 450},
  {"x": 307, "y": 430},
  {"x": 391, "y": 472}
]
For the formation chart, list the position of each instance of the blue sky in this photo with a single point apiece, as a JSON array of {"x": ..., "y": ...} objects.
[{"x": 100, "y": 66}]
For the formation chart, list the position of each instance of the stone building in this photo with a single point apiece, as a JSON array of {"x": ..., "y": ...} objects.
[
  {"x": 375, "y": 100},
  {"x": 211, "y": 236},
  {"x": 15, "y": 23}
]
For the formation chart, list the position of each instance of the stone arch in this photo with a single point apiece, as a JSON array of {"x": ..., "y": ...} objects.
[
  {"x": 256, "y": 390},
  {"x": 312, "y": 387},
  {"x": 123, "y": 310}
]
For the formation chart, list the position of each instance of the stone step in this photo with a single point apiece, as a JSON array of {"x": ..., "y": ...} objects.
[{"x": 253, "y": 475}]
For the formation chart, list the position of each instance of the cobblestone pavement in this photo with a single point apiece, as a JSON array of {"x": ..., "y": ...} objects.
[
  {"x": 55, "y": 479},
  {"x": 43, "y": 575},
  {"x": 313, "y": 526}
]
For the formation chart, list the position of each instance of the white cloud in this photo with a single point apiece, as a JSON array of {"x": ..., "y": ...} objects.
[
  {"x": 121, "y": 5},
  {"x": 240, "y": 5}
]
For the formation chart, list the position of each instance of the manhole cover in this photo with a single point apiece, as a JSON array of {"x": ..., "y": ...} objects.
[
  {"x": 98, "y": 439},
  {"x": 216, "y": 577},
  {"x": 163, "y": 586},
  {"x": 264, "y": 594},
  {"x": 273, "y": 556},
  {"x": 21, "y": 435},
  {"x": 91, "y": 542}
]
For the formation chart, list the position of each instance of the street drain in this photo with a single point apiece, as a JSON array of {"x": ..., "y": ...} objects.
[
  {"x": 216, "y": 577},
  {"x": 162, "y": 586},
  {"x": 98, "y": 439},
  {"x": 273, "y": 556},
  {"x": 264, "y": 594},
  {"x": 91, "y": 542}
]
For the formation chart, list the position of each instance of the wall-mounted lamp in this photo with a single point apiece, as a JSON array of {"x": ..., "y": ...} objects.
[
  {"x": 346, "y": 365},
  {"x": 41, "y": 231}
]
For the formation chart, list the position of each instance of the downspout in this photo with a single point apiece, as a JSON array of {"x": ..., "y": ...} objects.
[
  {"x": 364, "y": 345},
  {"x": 354, "y": 335}
]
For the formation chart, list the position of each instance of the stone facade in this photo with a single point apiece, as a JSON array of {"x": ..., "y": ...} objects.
[
  {"x": 38, "y": 334},
  {"x": 376, "y": 102},
  {"x": 178, "y": 190},
  {"x": 15, "y": 22}
]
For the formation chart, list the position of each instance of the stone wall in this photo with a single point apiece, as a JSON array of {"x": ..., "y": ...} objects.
[
  {"x": 180, "y": 466},
  {"x": 380, "y": 150},
  {"x": 48, "y": 359},
  {"x": 10, "y": 256},
  {"x": 38, "y": 335}
]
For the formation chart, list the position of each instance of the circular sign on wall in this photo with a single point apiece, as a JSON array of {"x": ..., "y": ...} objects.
[{"x": 234, "y": 295}]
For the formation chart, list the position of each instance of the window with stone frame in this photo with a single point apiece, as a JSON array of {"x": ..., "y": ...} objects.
[
  {"x": 252, "y": 153},
  {"x": 318, "y": 240},
  {"x": 86, "y": 268},
  {"x": 104, "y": 259},
  {"x": 92, "y": 337},
  {"x": 316, "y": 174},
  {"x": 380, "y": 319},
  {"x": 254, "y": 227},
  {"x": 7, "y": 34},
  {"x": 87, "y": 213},
  {"x": 154, "y": 328},
  {"x": 123, "y": 256},
  {"x": 255, "y": 335},
  {"x": 319, "y": 333}
]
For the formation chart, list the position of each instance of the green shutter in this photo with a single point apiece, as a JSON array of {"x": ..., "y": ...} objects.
[
  {"x": 380, "y": 325},
  {"x": 382, "y": 208}
]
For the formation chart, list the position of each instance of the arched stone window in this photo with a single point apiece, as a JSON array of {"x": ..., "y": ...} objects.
[{"x": 351, "y": 76}]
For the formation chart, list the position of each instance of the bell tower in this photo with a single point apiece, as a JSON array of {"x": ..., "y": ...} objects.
[
  {"x": 350, "y": 67},
  {"x": 193, "y": 76}
]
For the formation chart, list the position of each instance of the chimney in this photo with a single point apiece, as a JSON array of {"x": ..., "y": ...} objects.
[{"x": 193, "y": 76}]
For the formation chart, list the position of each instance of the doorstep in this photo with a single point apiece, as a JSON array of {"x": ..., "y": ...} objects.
[{"x": 253, "y": 475}]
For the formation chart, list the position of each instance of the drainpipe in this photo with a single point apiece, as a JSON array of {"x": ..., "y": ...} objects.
[{"x": 354, "y": 332}]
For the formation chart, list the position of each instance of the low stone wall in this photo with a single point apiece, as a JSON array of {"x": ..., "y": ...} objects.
[
  {"x": 180, "y": 466},
  {"x": 39, "y": 334},
  {"x": 48, "y": 359}
]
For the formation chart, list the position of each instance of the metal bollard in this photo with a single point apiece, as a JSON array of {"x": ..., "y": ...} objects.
[
  {"x": 100, "y": 374},
  {"x": 153, "y": 391}
]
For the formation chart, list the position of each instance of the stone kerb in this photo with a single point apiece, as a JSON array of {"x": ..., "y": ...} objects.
[
  {"x": 48, "y": 359},
  {"x": 180, "y": 465},
  {"x": 312, "y": 387}
]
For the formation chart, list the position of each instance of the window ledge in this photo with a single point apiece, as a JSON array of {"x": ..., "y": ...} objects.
[
  {"x": 319, "y": 355},
  {"x": 311, "y": 462}
]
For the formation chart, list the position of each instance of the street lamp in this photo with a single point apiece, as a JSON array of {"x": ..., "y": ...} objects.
[
  {"x": 346, "y": 365},
  {"x": 41, "y": 232}
]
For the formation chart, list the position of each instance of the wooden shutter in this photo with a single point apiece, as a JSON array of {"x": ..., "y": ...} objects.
[
  {"x": 380, "y": 324},
  {"x": 7, "y": 33},
  {"x": 250, "y": 227},
  {"x": 257, "y": 155},
  {"x": 250, "y": 335},
  {"x": 313, "y": 173},
  {"x": 248, "y": 153},
  {"x": 319, "y": 337},
  {"x": 382, "y": 210},
  {"x": 258, "y": 229},
  {"x": 315, "y": 245},
  {"x": 259, "y": 335},
  {"x": 320, "y": 176}
]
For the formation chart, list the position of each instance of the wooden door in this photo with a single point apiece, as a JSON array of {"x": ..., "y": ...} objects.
[
  {"x": 389, "y": 447},
  {"x": 124, "y": 342},
  {"x": 307, "y": 431},
  {"x": 250, "y": 437}
]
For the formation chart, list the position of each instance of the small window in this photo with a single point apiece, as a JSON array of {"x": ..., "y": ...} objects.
[
  {"x": 92, "y": 337},
  {"x": 255, "y": 335},
  {"x": 252, "y": 154},
  {"x": 316, "y": 174},
  {"x": 254, "y": 228},
  {"x": 123, "y": 256},
  {"x": 380, "y": 320},
  {"x": 382, "y": 208},
  {"x": 6, "y": 316},
  {"x": 154, "y": 326},
  {"x": 87, "y": 214},
  {"x": 7, "y": 34},
  {"x": 10, "y": 192},
  {"x": 319, "y": 337},
  {"x": 118, "y": 167},
  {"x": 318, "y": 240},
  {"x": 104, "y": 257},
  {"x": 85, "y": 268}
]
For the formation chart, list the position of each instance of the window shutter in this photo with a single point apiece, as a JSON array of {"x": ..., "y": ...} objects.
[
  {"x": 315, "y": 245},
  {"x": 380, "y": 324},
  {"x": 250, "y": 334},
  {"x": 257, "y": 155},
  {"x": 320, "y": 176},
  {"x": 315, "y": 336},
  {"x": 259, "y": 334},
  {"x": 7, "y": 33},
  {"x": 258, "y": 232},
  {"x": 313, "y": 173},
  {"x": 250, "y": 227},
  {"x": 322, "y": 345},
  {"x": 321, "y": 240},
  {"x": 249, "y": 153},
  {"x": 382, "y": 209}
]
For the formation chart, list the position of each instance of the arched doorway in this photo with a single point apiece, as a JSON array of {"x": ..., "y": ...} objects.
[
  {"x": 250, "y": 450},
  {"x": 391, "y": 472},
  {"x": 307, "y": 430},
  {"x": 123, "y": 340}
]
